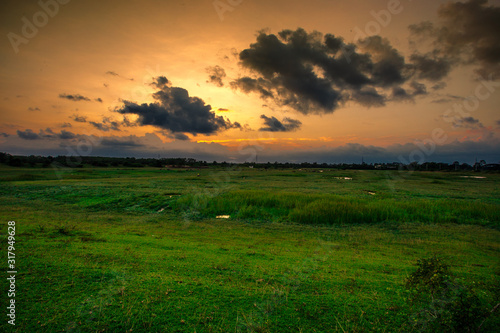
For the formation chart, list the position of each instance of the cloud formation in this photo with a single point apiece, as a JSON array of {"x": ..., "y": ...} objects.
[
  {"x": 316, "y": 73},
  {"x": 79, "y": 119},
  {"x": 467, "y": 33},
  {"x": 468, "y": 122},
  {"x": 28, "y": 134},
  {"x": 75, "y": 97},
  {"x": 271, "y": 124},
  {"x": 215, "y": 75},
  {"x": 112, "y": 73},
  {"x": 176, "y": 111},
  {"x": 107, "y": 124}
]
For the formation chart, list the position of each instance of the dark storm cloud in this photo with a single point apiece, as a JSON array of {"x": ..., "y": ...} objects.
[
  {"x": 215, "y": 75},
  {"x": 387, "y": 67},
  {"x": 316, "y": 73},
  {"x": 27, "y": 135},
  {"x": 285, "y": 66},
  {"x": 274, "y": 125},
  {"x": 176, "y": 111},
  {"x": 75, "y": 97},
  {"x": 467, "y": 33}
]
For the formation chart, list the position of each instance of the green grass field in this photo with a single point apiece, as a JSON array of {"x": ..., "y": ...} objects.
[{"x": 141, "y": 250}]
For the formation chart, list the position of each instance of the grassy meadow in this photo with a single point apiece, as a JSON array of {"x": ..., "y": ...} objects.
[{"x": 142, "y": 249}]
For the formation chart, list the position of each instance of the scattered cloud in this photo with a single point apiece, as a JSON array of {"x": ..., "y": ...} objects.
[
  {"x": 34, "y": 109},
  {"x": 106, "y": 125},
  {"x": 5, "y": 135},
  {"x": 79, "y": 119},
  {"x": 467, "y": 122},
  {"x": 66, "y": 125},
  {"x": 274, "y": 125},
  {"x": 28, "y": 135},
  {"x": 118, "y": 75},
  {"x": 98, "y": 100},
  {"x": 65, "y": 135},
  {"x": 176, "y": 111},
  {"x": 215, "y": 75},
  {"x": 447, "y": 99},
  {"x": 75, "y": 97},
  {"x": 47, "y": 133}
]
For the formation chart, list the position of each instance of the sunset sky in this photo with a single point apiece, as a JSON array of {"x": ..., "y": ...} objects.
[{"x": 283, "y": 80}]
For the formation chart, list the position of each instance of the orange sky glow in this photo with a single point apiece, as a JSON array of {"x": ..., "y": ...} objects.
[{"x": 289, "y": 80}]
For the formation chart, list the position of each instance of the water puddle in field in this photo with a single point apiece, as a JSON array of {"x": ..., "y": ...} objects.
[{"x": 475, "y": 177}]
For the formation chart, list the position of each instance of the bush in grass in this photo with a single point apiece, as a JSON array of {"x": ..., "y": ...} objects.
[
  {"x": 442, "y": 303},
  {"x": 432, "y": 275}
]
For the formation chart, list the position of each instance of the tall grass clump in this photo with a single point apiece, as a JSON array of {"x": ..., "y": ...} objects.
[{"x": 329, "y": 209}]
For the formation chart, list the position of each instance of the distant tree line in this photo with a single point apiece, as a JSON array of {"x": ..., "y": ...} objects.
[{"x": 180, "y": 162}]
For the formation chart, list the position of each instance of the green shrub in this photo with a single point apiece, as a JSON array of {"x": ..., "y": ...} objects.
[
  {"x": 432, "y": 275},
  {"x": 442, "y": 303}
]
